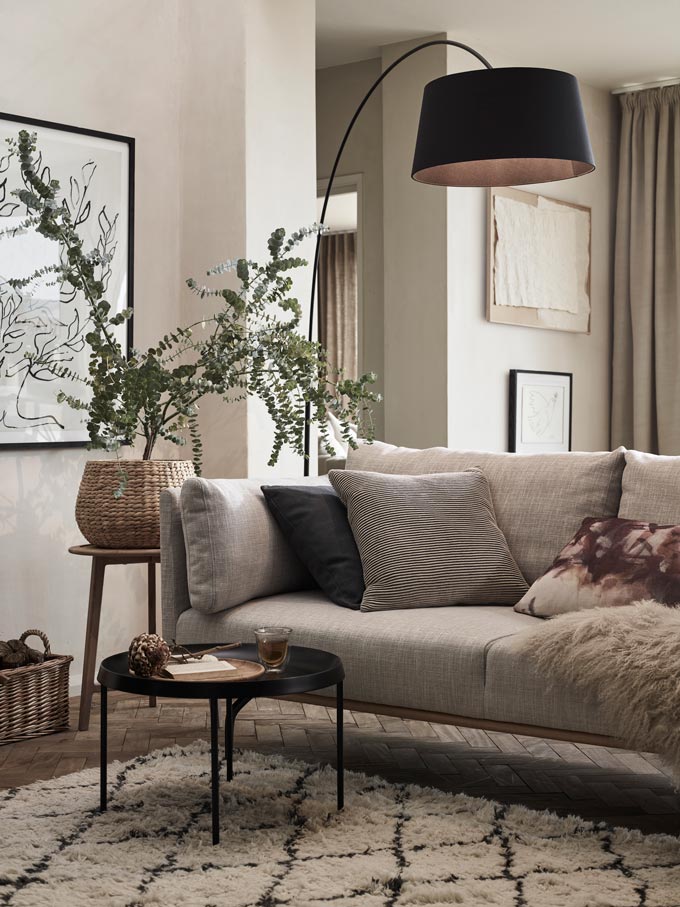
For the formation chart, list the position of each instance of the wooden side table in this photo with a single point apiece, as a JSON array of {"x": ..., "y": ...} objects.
[{"x": 101, "y": 558}]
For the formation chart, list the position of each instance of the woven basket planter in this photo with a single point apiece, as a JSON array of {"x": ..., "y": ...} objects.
[
  {"x": 133, "y": 520},
  {"x": 34, "y": 699}
]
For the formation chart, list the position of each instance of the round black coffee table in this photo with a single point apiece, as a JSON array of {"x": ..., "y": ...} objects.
[{"x": 307, "y": 670}]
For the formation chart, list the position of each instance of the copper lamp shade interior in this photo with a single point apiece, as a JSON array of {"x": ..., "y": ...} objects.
[{"x": 501, "y": 127}]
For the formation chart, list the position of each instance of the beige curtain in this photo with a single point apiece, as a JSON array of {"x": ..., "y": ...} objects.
[
  {"x": 338, "y": 300},
  {"x": 646, "y": 376}
]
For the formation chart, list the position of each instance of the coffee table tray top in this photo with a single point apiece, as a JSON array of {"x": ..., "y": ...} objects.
[{"x": 307, "y": 669}]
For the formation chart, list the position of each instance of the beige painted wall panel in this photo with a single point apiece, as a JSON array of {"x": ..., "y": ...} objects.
[
  {"x": 339, "y": 90},
  {"x": 280, "y": 171},
  {"x": 415, "y": 219}
]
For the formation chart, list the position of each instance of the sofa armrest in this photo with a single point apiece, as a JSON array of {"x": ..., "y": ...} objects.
[{"x": 174, "y": 586}]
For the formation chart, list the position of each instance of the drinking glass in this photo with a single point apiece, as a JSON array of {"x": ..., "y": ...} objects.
[{"x": 272, "y": 648}]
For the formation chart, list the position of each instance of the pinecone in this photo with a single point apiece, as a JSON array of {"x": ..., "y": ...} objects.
[{"x": 148, "y": 654}]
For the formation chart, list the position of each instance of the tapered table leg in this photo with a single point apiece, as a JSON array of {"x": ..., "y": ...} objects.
[
  {"x": 215, "y": 771},
  {"x": 94, "y": 610},
  {"x": 340, "y": 732},
  {"x": 103, "y": 734},
  {"x": 151, "y": 608},
  {"x": 229, "y": 738}
]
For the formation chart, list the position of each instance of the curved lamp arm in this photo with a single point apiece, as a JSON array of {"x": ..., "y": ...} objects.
[
  {"x": 346, "y": 136},
  {"x": 357, "y": 112}
]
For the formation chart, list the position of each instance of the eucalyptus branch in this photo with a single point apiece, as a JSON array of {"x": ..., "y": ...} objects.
[{"x": 254, "y": 346}]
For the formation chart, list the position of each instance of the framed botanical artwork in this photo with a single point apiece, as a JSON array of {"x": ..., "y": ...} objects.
[
  {"x": 538, "y": 256},
  {"x": 540, "y": 411},
  {"x": 44, "y": 319}
]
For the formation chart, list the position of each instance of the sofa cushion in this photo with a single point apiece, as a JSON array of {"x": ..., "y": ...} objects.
[
  {"x": 314, "y": 520},
  {"x": 609, "y": 563},
  {"x": 515, "y": 691},
  {"x": 235, "y": 550},
  {"x": 651, "y": 488},
  {"x": 428, "y": 541},
  {"x": 540, "y": 499},
  {"x": 433, "y": 661}
]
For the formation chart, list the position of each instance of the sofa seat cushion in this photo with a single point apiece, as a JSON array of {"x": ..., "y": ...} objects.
[
  {"x": 432, "y": 660},
  {"x": 540, "y": 499},
  {"x": 515, "y": 692}
]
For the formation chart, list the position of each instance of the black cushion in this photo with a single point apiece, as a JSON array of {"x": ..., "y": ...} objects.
[{"x": 314, "y": 521}]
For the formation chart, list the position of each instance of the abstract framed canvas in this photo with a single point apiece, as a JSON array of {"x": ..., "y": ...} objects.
[
  {"x": 538, "y": 257},
  {"x": 48, "y": 317},
  {"x": 540, "y": 411}
]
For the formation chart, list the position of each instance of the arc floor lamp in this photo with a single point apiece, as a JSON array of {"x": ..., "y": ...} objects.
[{"x": 487, "y": 127}]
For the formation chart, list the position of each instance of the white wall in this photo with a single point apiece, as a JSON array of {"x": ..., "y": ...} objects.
[
  {"x": 116, "y": 82},
  {"x": 172, "y": 74},
  {"x": 280, "y": 172}
]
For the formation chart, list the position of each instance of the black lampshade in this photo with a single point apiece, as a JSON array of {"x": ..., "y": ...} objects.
[{"x": 501, "y": 127}]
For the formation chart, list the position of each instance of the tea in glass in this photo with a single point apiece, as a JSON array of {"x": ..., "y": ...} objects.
[{"x": 272, "y": 647}]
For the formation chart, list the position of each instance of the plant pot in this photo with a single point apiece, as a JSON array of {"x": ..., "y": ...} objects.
[{"x": 132, "y": 520}]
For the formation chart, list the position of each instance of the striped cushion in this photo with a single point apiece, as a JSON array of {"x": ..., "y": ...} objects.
[{"x": 428, "y": 540}]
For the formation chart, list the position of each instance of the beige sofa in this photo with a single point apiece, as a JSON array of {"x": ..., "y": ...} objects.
[{"x": 226, "y": 569}]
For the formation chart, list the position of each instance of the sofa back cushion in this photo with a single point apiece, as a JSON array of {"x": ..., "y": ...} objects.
[
  {"x": 651, "y": 488},
  {"x": 540, "y": 499},
  {"x": 235, "y": 551}
]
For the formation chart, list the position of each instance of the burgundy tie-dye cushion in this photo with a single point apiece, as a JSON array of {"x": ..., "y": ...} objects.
[{"x": 609, "y": 562}]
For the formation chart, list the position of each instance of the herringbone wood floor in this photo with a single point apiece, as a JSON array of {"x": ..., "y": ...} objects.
[{"x": 622, "y": 788}]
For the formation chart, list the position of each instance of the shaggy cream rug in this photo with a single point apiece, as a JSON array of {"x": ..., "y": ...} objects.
[
  {"x": 629, "y": 657},
  {"x": 283, "y": 843}
]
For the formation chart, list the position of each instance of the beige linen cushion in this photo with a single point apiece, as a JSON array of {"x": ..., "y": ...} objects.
[
  {"x": 540, "y": 500},
  {"x": 235, "y": 551},
  {"x": 428, "y": 541},
  {"x": 651, "y": 488}
]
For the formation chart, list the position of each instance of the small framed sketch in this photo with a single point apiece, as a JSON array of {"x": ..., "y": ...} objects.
[{"x": 540, "y": 411}]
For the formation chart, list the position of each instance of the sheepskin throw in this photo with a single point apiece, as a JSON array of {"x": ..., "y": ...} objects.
[
  {"x": 629, "y": 658},
  {"x": 283, "y": 843},
  {"x": 609, "y": 563}
]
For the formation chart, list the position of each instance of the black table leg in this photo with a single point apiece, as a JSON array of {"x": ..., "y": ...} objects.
[
  {"x": 340, "y": 730},
  {"x": 103, "y": 730},
  {"x": 215, "y": 771},
  {"x": 229, "y": 738}
]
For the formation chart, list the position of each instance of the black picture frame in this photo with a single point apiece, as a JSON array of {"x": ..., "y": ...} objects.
[
  {"x": 129, "y": 142},
  {"x": 514, "y": 402}
]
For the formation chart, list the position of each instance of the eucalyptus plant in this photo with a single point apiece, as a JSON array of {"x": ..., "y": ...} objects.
[{"x": 248, "y": 342}]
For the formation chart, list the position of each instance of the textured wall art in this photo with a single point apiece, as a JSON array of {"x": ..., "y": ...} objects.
[
  {"x": 539, "y": 262},
  {"x": 48, "y": 318}
]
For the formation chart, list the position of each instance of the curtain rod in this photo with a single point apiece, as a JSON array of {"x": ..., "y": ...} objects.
[{"x": 643, "y": 86}]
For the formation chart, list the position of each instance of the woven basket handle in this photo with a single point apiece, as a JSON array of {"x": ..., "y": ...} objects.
[{"x": 42, "y": 636}]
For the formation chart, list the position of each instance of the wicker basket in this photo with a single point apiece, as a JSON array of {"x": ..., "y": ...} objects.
[
  {"x": 34, "y": 699},
  {"x": 132, "y": 520}
]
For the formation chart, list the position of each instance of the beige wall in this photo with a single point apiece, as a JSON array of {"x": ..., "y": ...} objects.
[
  {"x": 415, "y": 249},
  {"x": 339, "y": 89},
  {"x": 173, "y": 75}
]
